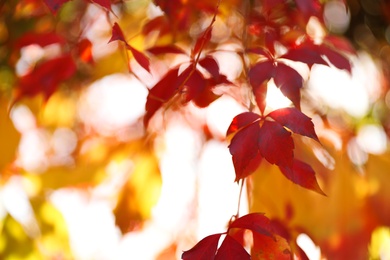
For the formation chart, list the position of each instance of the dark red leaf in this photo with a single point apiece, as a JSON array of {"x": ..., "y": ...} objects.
[
  {"x": 335, "y": 58},
  {"x": 256, "y": 222},
  {"x": 290, "y": 82},
  {"x": 202, "y": 41},
  {"x": 164, "y": 90},
  {"x": 46, "y": 77},
  {"x": 306, "y": 54},
  {"x": 276, "y": 144},
  {"x": 206, "y": 97},
  {"x": 295, "y": 120},
  {"x": 261, "y": 72},
  {"x": 211, "y": 65},
  {"x": 158, "y": 50},
  {"x": 55, "y": 5},
  {"x": 103, "y": 3},
  {"x": 260, "y": 93},
  {"x": 231, "y": 250},
  {"x": 245, "y": 151},
  {"x": 42, "y": 39},
  {"x": 140, "y": 58},
  {"x": 204, "y": 249},
  {"x": 117, "y": 34},
  {"x": 160, "y": 23},
  {"x": 302, "y": 174},
  {"x": 195, "y": 84},
  {"x": 242, "y": 120}
]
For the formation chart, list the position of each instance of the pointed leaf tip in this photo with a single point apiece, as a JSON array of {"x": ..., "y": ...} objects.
[
  {"x": 204, "y": 249},
  {"x": 302, "y": 174},
  {"x": 295, "y": 120}
]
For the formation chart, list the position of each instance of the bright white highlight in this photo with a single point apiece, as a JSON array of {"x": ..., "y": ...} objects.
[
  {"x": 312, "y": 251},
  {"x": 372, "y": 139},
  {"x": 113, "y": 103}
]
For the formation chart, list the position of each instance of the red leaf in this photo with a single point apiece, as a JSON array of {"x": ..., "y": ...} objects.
[
  {"x": 256, "y": 222},
  {"x": 55, "y": 5},
  {"x": 302, "y": 174},
  {"x": 289, "y": 81},
  {"x": 140, "y": 58},
  {"x": 85, "y": 50},
  {"x": 202, "y": 41},
  {"x": 165, "y": 89},
  {"x": 306, "y": 54},
  {"x": 211, "y": 65},
  {"x": 260, "y": 93},
  {"x": 204, "y": 249},
  {"x": 245, "y": 151},
  {"x": 206, "y": 97},
  {"x": 270, "y": 248},
  {"x": 165, "y": 49},
  {"x": 42, "y": 39},
  {"x": 276, "y": 144},
  {"x": 295, "y": 120},
  {"x": 335, "y": 58},
  {"x": 261, "y": 72},
  {"x": 117, "y": 34},
  {"x": 231, "y": 249},
  {"x": 195, "y": 84},
  {"x": 242, "y": 120},
  {"x": 103, "y": 3},
  {"x": 46, "y": 77}
]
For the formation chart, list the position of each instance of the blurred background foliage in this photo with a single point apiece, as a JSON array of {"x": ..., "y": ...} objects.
[{"x": 82, "y": 179}]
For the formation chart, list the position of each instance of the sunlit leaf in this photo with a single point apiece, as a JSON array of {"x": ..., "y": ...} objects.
[
  {"x": 245, "y": 151},
  {"x": 256, "y": 222},
  {"x": 302, "y": 174},
  {"x": 295, "y": 120},
  {"x": 242, "y": 120},
  {"x": 289, "y": 81},
  {"x": 276, "y": 144}
]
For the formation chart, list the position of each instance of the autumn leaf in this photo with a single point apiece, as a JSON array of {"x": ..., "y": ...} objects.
[
  {"x": 265, "y": 247},
  {"x": 276, "y": 144},
  {"x": 202, "y": 41},
  {"x": 165, "y": 49},
  {"x": 245, "y": 151},
  {"x": 84, "y": 50},
  {"x": 46, "y": 77},
  {"x": 260, "y": 72},
  {"x": 42, "y": 39},
  {"x": 204, "y": 249},
  {"x": 55, "y": 5},
  {"x": 294, "y": 120},
  {"x": 302, "y": 174},
  {"x": 231, "y": 250},
  {"x": 256, "y": 222},
  {"x": 140, "y": 58},
  {"x": 305, "y": 53},
  {"x": 289, "y": 81},
  {"x": 162, "y": 91},
  {"x": 117, "y": 35},
  {"x": 242, "y": 120}
]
